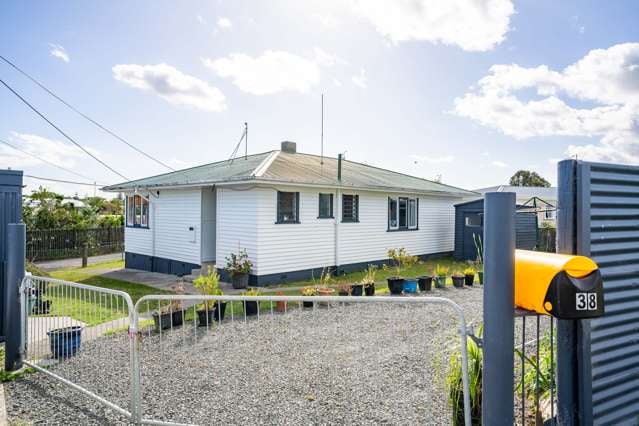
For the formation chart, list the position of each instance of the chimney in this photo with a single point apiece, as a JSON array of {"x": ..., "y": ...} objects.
[
  {"x": 290, "y": 147},
  {"x": 339, "y": 167}
]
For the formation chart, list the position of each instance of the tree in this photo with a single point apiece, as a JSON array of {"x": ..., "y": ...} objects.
[{"x": 528, "y": 178}]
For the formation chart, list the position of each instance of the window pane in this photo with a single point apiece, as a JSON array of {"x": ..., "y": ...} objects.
[
  {"x": 286, "y": 207},
  {"x": 130, "y": 210},
  {"x": 145, "y": 213},
  {"x": 392, "y": 212},
  {"x": 326, "y": 205},
  {"x": 138, "y": 209},
  {"x": 473, "y": 220},
  {"x": 412, "y": 213},
  {"x": 402, "y": 212},
  {"x": 349, "y": 208}
]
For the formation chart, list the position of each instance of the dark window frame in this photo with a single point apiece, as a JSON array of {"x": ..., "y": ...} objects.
[
  {"x": 355, "y": 208},
  {"x": 331, "y": 214},
  {"x": 296, "y": 198},
  {"x": 137, "y": 212}
]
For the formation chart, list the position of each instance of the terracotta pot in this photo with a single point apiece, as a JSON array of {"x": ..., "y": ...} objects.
[{"x": 280, "y": 305}]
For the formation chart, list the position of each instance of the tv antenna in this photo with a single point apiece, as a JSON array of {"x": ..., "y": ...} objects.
[{"x": 237, "y": 147}]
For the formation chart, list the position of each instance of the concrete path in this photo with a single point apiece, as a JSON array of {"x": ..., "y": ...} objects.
[
  {"x": 152, "y": 279},
  {"x": 51, "y": 265}
]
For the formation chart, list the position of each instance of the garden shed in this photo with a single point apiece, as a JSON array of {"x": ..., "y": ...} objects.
[{"x": 469, "y": 222}]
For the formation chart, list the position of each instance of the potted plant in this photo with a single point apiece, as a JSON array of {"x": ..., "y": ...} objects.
[
  {"x": 344, "y": 290},
  {"x": 250, "y": 306},
  {"x": 238, "y": 266},
  {"x": 280, "y": 305},
  {"x": 400, "y": 260},
  {"x": 469, "y": 276},
  {"x": 65, "y": 342},
  {"x": 441, "y": 272},
  {"x": 212, "y": 310},
  {"x": 171, "y": 315},
  {"x": 368, "y": 281},
  {"x": 458, "y": 279},
  {"x": 323, "y": 284},
  {"x": 425, "y": 282},
  {"x": 308, "y": 291}
]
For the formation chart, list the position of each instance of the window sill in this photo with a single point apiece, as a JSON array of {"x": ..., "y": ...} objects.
[
  {"x": 350, "y": 221},
  {"x": 137, "y": 226},
  {"x": 326, "y": 217},
  {"x": 402, "y": 229},
  {"x": 288, "y": 223}
]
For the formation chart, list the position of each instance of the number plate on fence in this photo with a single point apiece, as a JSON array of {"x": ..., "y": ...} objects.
[{"x": 586, "y": 301}]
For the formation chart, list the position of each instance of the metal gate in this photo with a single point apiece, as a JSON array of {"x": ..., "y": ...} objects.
[{"x": 599, "y": 217}]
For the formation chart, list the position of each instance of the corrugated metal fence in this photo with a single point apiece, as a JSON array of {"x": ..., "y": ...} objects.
[
  {"x": 66, "y": 243},
  {"x": 608, "y": 231}
]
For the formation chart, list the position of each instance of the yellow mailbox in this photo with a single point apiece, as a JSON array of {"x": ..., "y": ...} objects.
[{"x": 564, "y": 286}]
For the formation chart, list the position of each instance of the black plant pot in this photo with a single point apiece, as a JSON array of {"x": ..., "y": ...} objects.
[
  {"x": 168, "y": 319},
  {"x": 395, "y": 285},
  {"x": 240, "y": 280},
  {"x": 41, "y": 307},
  {"x": 369, "y": 290},
  {"x": 458, "y": 281},
  {"x": 216, "y": 313},
  {"x": 469, "y": 279},
  {"x": 65, "y": 342},
  {"x": 250, "y": 308},
  {"x": 356, "y": 289},
  {"x": 308, "y": 304},
  {"x": 425, "y": 283}
]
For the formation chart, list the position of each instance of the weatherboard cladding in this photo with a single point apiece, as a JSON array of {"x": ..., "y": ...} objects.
[
  {"x": 294, "y": 168},
  {"x": 612, "y": 194}
]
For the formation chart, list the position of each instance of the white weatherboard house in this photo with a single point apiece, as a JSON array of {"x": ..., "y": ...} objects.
[{"x": 294, "y": 213}]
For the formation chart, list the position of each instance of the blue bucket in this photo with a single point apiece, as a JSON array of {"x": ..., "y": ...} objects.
[
  {"x": 65, "y": 342},
  {"x": 410, "y": 286}
]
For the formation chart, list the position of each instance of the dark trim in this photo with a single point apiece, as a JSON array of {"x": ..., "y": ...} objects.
[
  {"x": 326, "y": 217},
  {"x": 402, "y": 230},
  {"x": 297, "y": 207},
  {"x": 288, "y": 223},
  {"x": 355, "y": 207},
  {"x": 158, "y": 264},
  {"x": 138, "y": 226},
  {"x": 319, "y": 207},
  {"x": 305, "y": 274}
]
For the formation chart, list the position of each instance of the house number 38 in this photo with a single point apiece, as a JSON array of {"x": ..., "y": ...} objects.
[{"x": 586, "y": 301}]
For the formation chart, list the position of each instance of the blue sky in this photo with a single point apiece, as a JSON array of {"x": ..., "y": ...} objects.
[{"x": 468, "y": 90}]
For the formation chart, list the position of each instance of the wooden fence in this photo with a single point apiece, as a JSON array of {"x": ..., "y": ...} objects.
[
  {"x": 46, "y": 244},
  {"x": 546, "y": 239}
]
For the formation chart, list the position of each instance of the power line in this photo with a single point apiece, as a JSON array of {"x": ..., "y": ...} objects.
[
  {"x": 44, "y": 161},
  {"x": 72, "y": 108},
  {"x": 60, "y": 180},
  {"x": 62, "y": 132}
]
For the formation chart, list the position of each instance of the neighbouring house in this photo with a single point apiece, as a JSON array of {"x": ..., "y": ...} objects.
[
  {"x": 538, "y": 199},
  {"x": 294, "y": 213}
]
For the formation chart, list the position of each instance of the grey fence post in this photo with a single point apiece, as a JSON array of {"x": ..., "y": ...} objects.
[
  {"x": 499, "y": 301},
  {"x": 14, "y": 273}
]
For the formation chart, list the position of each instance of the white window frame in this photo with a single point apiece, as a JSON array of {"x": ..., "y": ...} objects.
[
  {"x": 131, "y": 218},
  {"x": 412, "y": 213}
]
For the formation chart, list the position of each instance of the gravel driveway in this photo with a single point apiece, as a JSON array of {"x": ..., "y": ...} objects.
[{"x": 353, "y": 364}]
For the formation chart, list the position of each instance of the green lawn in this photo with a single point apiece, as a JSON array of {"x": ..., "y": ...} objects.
[
  {"x": 419, "y": 269},
  {"x": 90, "y": 307}
]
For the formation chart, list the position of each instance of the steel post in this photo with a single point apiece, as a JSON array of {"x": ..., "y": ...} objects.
[{"x": 14, "y": 273}]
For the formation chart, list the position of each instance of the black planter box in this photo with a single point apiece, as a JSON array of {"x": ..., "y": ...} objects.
[
  {"x": 369, "y": 290},
  {"x": 357, "y": 289},
  {"x": 425, "y": 283},
  {"x": 168, "y": 320},
  {"x": 240, "y": 280},
  {"x": 250, "y": 308},
  {"x": 458, "y": 281},
  {"x": 206, "y": 317},
  {"x": 308, "y": 304},
  {"x": 395, "y": 285},
  {"x": 469, "y": 279}
]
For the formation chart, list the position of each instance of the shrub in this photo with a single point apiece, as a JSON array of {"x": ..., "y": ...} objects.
[
  {"x": 369, "y": 276},
  {"x": 455, "y": 387},
  {"x": 400, "y": 260},
  {"x": 208, "y": 285},
  {"x": 238, "y": 263},
  {"x": 35, "y": 269}
]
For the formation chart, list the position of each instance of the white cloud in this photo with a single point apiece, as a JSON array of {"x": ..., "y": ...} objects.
[
  {"x": 360, "y": 79},
  {"x": 324, "y": 58},
  {"x": 474, "y": 25},
  {"x": 171, "y": 85},
  {"x": 432, "y": 160},
  {"x": 54, "y": 151},
  {"x": 327, "y": 21},
  {"x": 499, "y": 164},
  {"x": 604, "y": 84},
  {"x": 200, "y": 19},
  {"x": 59, "y": 52},
  {"x": 271, "y": 72},
  {"x": 224, "y": 23}
]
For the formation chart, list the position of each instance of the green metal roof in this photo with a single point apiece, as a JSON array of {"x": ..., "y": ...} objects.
[{"x": 294, "y": 168}]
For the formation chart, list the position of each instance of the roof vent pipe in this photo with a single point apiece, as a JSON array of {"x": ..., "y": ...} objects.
[
  {"x": 290, "y": 147},
  {"x": 339, "y": 167}
]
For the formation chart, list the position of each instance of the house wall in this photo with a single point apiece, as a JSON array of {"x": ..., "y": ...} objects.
[
  {"x": 281, "y": 252},
  {"x": 172, "y": 242}
]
